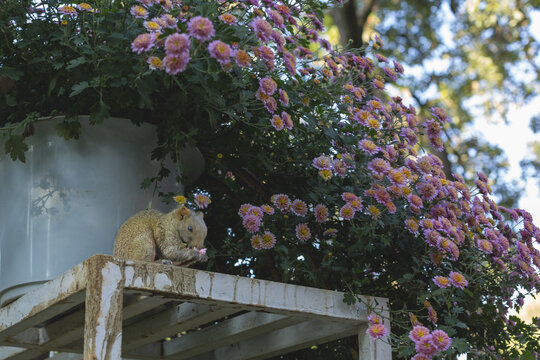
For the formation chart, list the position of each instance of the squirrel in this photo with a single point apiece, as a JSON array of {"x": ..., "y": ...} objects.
[{"x": 173, "y": 238}]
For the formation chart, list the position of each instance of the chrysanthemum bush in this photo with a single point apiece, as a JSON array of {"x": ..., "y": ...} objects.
[{"x": 317, "y": 176}]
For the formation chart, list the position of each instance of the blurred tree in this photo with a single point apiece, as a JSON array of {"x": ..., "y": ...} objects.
[{"x": 472, "y": 57}]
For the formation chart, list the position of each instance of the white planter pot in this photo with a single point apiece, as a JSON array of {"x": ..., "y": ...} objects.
[{"x": 68, "y": 200}]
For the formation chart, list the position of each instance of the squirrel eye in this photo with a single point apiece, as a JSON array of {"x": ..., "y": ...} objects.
[{"x": 190, "y": 228}]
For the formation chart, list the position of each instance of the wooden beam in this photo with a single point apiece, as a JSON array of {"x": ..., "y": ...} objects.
[
  {"x": 103, "y": 311},
  {"x": 44, "y": 302},
  {"x": 233, "y": 330},
  {"x": 282, "y": 341},
  {"x": 183, "y": 317}
]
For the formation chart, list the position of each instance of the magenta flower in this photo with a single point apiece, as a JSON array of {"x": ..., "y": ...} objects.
[
  {"x": 299, "y": 207},
  {"x": 267, "y": 209},
  {"x": 176, "y": 63},
  {"x": 425, "y": 346},
  {"x": 256, "y": 242},
  {"x": 415, "y": 201},
  {"x": 143, "y": 42},
  {"x": 270, "y": 105},
  {"x": 458, "y": 280},
  {"x": 374, "y": 319},
  {"x": 242, "y": 58},
  {"x": 243, "y": 210},
  {"x": 220, "y": 51},
  {"x": 268, "y": 240},
  {"x": 322, "y": 162},
  {"x": 377, "y": 331},
  {"x": 281, "y": 201},
  {"x": 139, "y": 12},
  {"x": 177, "y": 44},
  {"x": 382, "y": 196},
  {"x": 277, "y": 18},
  {"x": 290, "y": 62},
  {"x": 427, "y": 191},
  {"x": 303, "y": 233},
  {"x": 201, "y": 28},
  {"x": 262, "y": 29},
  {"x": 412, "y": 225},
  {"x": 347, "y": 212},
  {"x": 321, "y": 213},
  {"x": 251, "y": 223},
  {"x": 277, "y": 122},
  {"x": 441, "y": 281},
  {"x": 368, "y": 146},
  {"x": 441, "y": 340},
  {"x": 379, "y": 166},
  {"x": 256, "y": 211},
  {"x": 268, "y": 86},
  {"x": 202, "y": 201},
  {"x": 266, "y": 53},
  {"x": 418, "y": 332},
  {"x": 283, "y": 97},
  {"x": 287, "y": 121}
]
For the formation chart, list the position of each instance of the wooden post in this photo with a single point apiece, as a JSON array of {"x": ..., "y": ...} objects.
[{"x": 103, "y": 312}]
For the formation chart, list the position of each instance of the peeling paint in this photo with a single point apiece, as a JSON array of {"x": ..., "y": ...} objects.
[
  {"x": 162, "y": 282},
  {"x": 129, "y": 273}
]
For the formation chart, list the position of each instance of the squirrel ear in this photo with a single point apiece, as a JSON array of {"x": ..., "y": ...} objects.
[
  {"x": 182, "y": 212},
  {"x": 201, "y": 214}
]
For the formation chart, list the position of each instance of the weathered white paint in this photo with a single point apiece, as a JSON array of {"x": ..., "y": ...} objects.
[
  {"x": 162, "y": 282},
  {"x": 129, "y": 273}
]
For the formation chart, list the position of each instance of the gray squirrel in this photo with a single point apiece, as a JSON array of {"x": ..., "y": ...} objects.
[{"x": 175, "y": 238}]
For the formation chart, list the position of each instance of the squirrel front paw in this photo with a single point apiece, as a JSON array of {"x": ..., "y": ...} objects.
[{"x": 164, "y": 262}]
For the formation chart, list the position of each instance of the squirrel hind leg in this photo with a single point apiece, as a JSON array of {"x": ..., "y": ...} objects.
[{"x": 135, "y": 247}]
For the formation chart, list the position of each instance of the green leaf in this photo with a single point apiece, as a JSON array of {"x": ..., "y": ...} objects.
[
  {"x": 16, "y": 147},
  {"x": 69, "y": 129},
  {"x": 78, "y": 88},
  {"x": 76, "y": 62},
  {"x": 99, "y": 112},
  {"x": 349, "y": 299}
]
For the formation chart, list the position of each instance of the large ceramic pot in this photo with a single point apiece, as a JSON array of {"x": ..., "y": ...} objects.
[{"x": 68, "y": 200}]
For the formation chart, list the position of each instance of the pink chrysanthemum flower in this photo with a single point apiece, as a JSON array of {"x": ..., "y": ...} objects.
[
  {"x": 256, "y": 242},
  {"x": 441, "y": 281},
  {"x": 458, "y": 280},
  {"x": 368, "y": 146},
  {"x": 143, "y": 42},
  {"x": 256, "y": 211},
  {"x": 321, "y": 213},
  {"x": 339, "y": 167},
  {"x": 425, "y": 346},
  {"x": 397, "y": 178},
  {"x": 484, "y": 245},
  {"x": 201, "y": 28},
  {"x": 381, "y": 195},
  {"x": 415, "y": 201},
  {"x": 262, "y": 29},
  {"x": 139, "y": 12},
  {"x": 348, "y": 196},
  {"x": 270, "y": 105},
  {"x": 441, "y": 340},
  {"x": 303, "y": 233},
  {"x": 412, "y": 225},
  {"x": 276, "y": 18},
  {"x": 299, "y": 207},
  {"x": 287, "y": 120},
  {"x": 281, "y": 201},
  {"x": 202, "y": 201},
  {"x": 427, "y": 191},
  {"x": 84, "y": 7},
  {"x": 228, "y": 19},
  {"x": 176, "y": 63},
  {"x": 277, "y": 122},
  {"x": 356, "y": 204},
  {"x": 220, "y": 51},
  {"x": 374, "y": 319},
  {"x": 322, "y": 162},
  {"x": 418, "y": 332},
  {"x": 251, "y": 223},
  {"x": 266, "y": 53},
  {"x": 267, "y": 209},
  {"x": 177, "y": 44},
  {"x": 379, "y": 166},
  {"x": 377, "y": 331},
  {"x": 421, "y": 357},
  {"x": 283, "y": 97},
  {"x": 268, "y": 86},
  {"x": 268, "y": 240},
  {"x": 290, "y": 62},
  {"x": 243, "y": 210},
  {"x": 242, "y": 58},
  {"x": 168, "y": 20},
  {"x": 347, "y": 212}
]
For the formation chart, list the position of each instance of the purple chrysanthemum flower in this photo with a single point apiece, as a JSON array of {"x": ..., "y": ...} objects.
[
  {"x": 379, "y": 166},
  {"x": 322, "y": 162},
  {"x": 251, "y": 223},
  {"x": 220, "y": 51},
  {"x": 377, "y": 331},
  {"x": 287, "y": 120},
  {"x": 441, "y": 340},
  {"x": 177, "y": 44},
  {"x": 176, "y": 63},
  {"x": 268, "y": 240},
  {"x": 201, "y": 28},
  {"x": 262, "y": 29},
  {"x": 281, "y": 201},
  {"x": 303, "y": 233},
  {"x": 277, "y": 122},
  {"x": 299, "y": 208},
  {"x": 441, "y": 281},
  {"x": 425, "y": 346},
  {"x": 268, "y": 86},
  {"x": 347, "y": 212},
  {"x": 143, "y": 42},
  {"x": 321, "y": 213}
]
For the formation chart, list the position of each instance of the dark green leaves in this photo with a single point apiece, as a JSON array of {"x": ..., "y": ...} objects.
[
  {"x": 16, "y": 147},
  {"x": 69, "y": 129}
]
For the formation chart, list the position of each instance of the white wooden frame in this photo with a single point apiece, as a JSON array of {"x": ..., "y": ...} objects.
[{"x": 107, "y": 308}]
